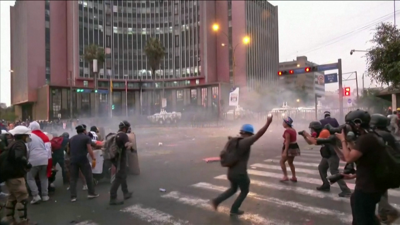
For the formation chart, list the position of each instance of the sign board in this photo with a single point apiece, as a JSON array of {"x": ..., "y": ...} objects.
[
  {"x": 349, "y": 102},
  {"x": 163, "y": 103},
  {"x": 234, "y": 97},
  {"x": 331, "y": 78}
]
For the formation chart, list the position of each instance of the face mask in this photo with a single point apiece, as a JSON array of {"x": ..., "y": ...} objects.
[{"x": 28, "y": 139}]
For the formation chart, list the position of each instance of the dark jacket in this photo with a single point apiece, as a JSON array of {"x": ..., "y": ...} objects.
[
  {"x": 329, "y": 120},
  {"x": 15, "y": 160}
]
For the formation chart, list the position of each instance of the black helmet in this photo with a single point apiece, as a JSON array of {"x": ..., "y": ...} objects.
[
  {"x": 358, "y": 117},
  {"x": 124, "y": 124},
  {"x": 379, "y": 121},
  {"x": 94, "y": 129},
  {"x": 315, "y": 125}
]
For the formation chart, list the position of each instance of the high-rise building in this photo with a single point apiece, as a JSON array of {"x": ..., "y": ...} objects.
[
  {"x": 308, "y": 84},
  {"x": 48, "y": 40}
]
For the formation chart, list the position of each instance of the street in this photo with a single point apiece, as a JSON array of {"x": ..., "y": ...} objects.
[{"x": 189, "y": 182}]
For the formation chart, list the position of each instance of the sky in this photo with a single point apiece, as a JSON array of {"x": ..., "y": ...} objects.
[{"x": 324, "y": 31}]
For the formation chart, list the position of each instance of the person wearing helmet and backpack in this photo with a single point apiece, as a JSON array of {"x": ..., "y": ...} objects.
[
  {"x": 387, "y": 214},
  {"x": 330, "y": 159},
  {"x": 14, "y": 166},
  {"x": 115, "y": 150},
  {"x": 366, "y": 153},
  {"x": 235, "y": 156}
]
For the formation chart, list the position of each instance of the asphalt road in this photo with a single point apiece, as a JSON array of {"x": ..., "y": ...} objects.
[{"x": 178, "y": 167}]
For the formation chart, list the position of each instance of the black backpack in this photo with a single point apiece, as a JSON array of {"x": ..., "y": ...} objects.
[
  {"x": 388, "y": 164},
  {"x": 229, "y": 155}
]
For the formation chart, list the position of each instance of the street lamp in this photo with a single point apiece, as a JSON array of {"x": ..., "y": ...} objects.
[
  {"x": 246, "y": 41},
  {"x": 298, "y": 100}
]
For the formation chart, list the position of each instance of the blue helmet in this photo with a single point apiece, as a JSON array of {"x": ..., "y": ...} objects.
[{"x": 248, "y": 128}]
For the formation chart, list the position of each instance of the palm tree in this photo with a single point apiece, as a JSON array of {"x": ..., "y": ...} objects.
[
  {"x": 155, "y": 52},
  {"x": 91, "y": 53}
]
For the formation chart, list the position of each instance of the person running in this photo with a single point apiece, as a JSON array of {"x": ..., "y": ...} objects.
[
  {"x": 290, "y": 149},
  {"x": 237, "y": 174}
]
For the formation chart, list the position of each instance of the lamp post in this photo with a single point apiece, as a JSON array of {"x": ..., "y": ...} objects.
[{"x": 246, "y": 41}]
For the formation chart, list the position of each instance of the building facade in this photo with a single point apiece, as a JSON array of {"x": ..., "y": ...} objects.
[
  {"x": 51, "y": 77},
  {"x": 304, "y": 86}
]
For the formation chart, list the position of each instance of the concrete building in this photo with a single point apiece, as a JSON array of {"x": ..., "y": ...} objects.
[
  {"x": 48, "y": 39},
  {"x": 312, "y": 83}
]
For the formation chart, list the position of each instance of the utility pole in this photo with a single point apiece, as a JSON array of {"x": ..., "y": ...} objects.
[
  {"x": 357, "y": 86},
  {"x": 70, "y": 95},
  {"x": 340, "y": 81},
  {"x": 394, "y": 12}
]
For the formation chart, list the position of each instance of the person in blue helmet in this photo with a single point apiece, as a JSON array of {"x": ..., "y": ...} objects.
[{"x": 237, "y": 174}]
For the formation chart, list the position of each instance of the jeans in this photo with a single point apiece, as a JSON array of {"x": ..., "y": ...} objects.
[
  {"x": 363, "y": 207},
  {"x": 120, "y": 180},
  {"x": 331, "y": 163},
  {"x": 239, "y": 181},
  {"x": 44, "y": 181},
  {"x": 87, "y": 173},
  {"x": 60, "y": 161}
]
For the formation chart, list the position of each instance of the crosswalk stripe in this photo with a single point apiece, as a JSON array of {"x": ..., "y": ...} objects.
[
  {"x": 345, "y": 218},
  {"x": 153, "y": 216},
  {"x": 299, "y": 190},
  {"x": 86, "y": 223},
  {"x": 300, "y": 179},
  {"x": 205, "y": 204},
  {"x": 296, "y": 163},
  {"x": 275, "y": 167}
]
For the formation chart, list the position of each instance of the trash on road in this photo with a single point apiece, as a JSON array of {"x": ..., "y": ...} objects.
[
  {"x": 162, "y": 190},
  {"x": 212, "y": 159}
]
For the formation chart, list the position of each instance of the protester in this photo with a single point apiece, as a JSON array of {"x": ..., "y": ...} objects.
[
  {"x": 80, "y": 147},
  {"x": 38, "y": 156},
  {"x": 58, "y": 157},
  {"x": 290, "y": 149},
  {"x": 237, "y": 174}
]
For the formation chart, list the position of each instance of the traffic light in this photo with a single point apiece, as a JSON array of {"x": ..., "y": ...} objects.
[
  {"x": 95, "y": 91},
  {"x": 310, "y": 69},
  {"x": 346, "y": 91},
  {"x": 79, "y": 90},
  {"x": 112, "y": 107},
  {"x": 280, "y": 73}
]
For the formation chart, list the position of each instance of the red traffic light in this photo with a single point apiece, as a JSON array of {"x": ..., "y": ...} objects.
[
  {"x": 307, "y": 69},
  {"x": 347, "y": 91},
  {"x": 291, "y": 71}
]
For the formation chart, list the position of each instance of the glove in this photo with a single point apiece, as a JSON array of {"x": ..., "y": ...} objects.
[{"x": 93, "y": 164}]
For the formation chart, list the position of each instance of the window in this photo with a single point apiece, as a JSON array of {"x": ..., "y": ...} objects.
[
  {"x": 177, "y": 62},
  {"x": 176, "y": 40},
  {"x": 176, "y": 9}
]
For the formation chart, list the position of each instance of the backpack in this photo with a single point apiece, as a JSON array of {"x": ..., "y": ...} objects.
[
  {"x": 387, "y": 169},
  {"x": 229, "y": 155},
  {"x": 111, "y": 149},
  {"x": 56, "y": 143}
]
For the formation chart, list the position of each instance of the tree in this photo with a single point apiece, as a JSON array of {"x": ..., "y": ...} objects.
[
  {"x": 155, "y": 52},
  {"x": 91, "y": 53},
  {"x": 371, "y": 101},
  {"x": 384, "y": 58}
]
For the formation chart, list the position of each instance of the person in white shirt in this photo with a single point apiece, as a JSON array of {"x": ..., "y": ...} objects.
[
  {"x": 38, "y": 156},
  {"x": 393, "y": 123}
]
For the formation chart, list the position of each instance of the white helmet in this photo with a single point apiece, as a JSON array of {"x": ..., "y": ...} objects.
[{"x": 20, "y": 130}]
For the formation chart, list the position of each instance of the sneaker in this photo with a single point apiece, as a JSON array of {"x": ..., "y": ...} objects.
[
  {"x": 36, "y": 199},
  {"x": 128, "y": 195},
  {"x": 116, "y": 202},
  {"x": 324, "y": 188},
  {"x": 85, "y": 187},
  {"x": 93, "y": 196},
  {"x": 73, "y": 199},
  {"x": 45, "y": 198},
  {"x": 344, "y": 194},
  {"x": 237, "y": 213}
]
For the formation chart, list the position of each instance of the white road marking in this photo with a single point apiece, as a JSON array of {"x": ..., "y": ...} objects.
[
  {"x": 276, "y": 167},
  {"x": 299, "y": 178},
  {"x": 86, "y": 223},
  {"x": 299, "y": 163},
  {"x": 153, "y": 216},
  {"x": 205, "y": 204},
  {"x": 343, "y": 217}
]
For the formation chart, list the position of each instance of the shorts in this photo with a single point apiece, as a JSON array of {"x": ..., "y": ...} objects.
[{"x": 293, "y": 150}]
